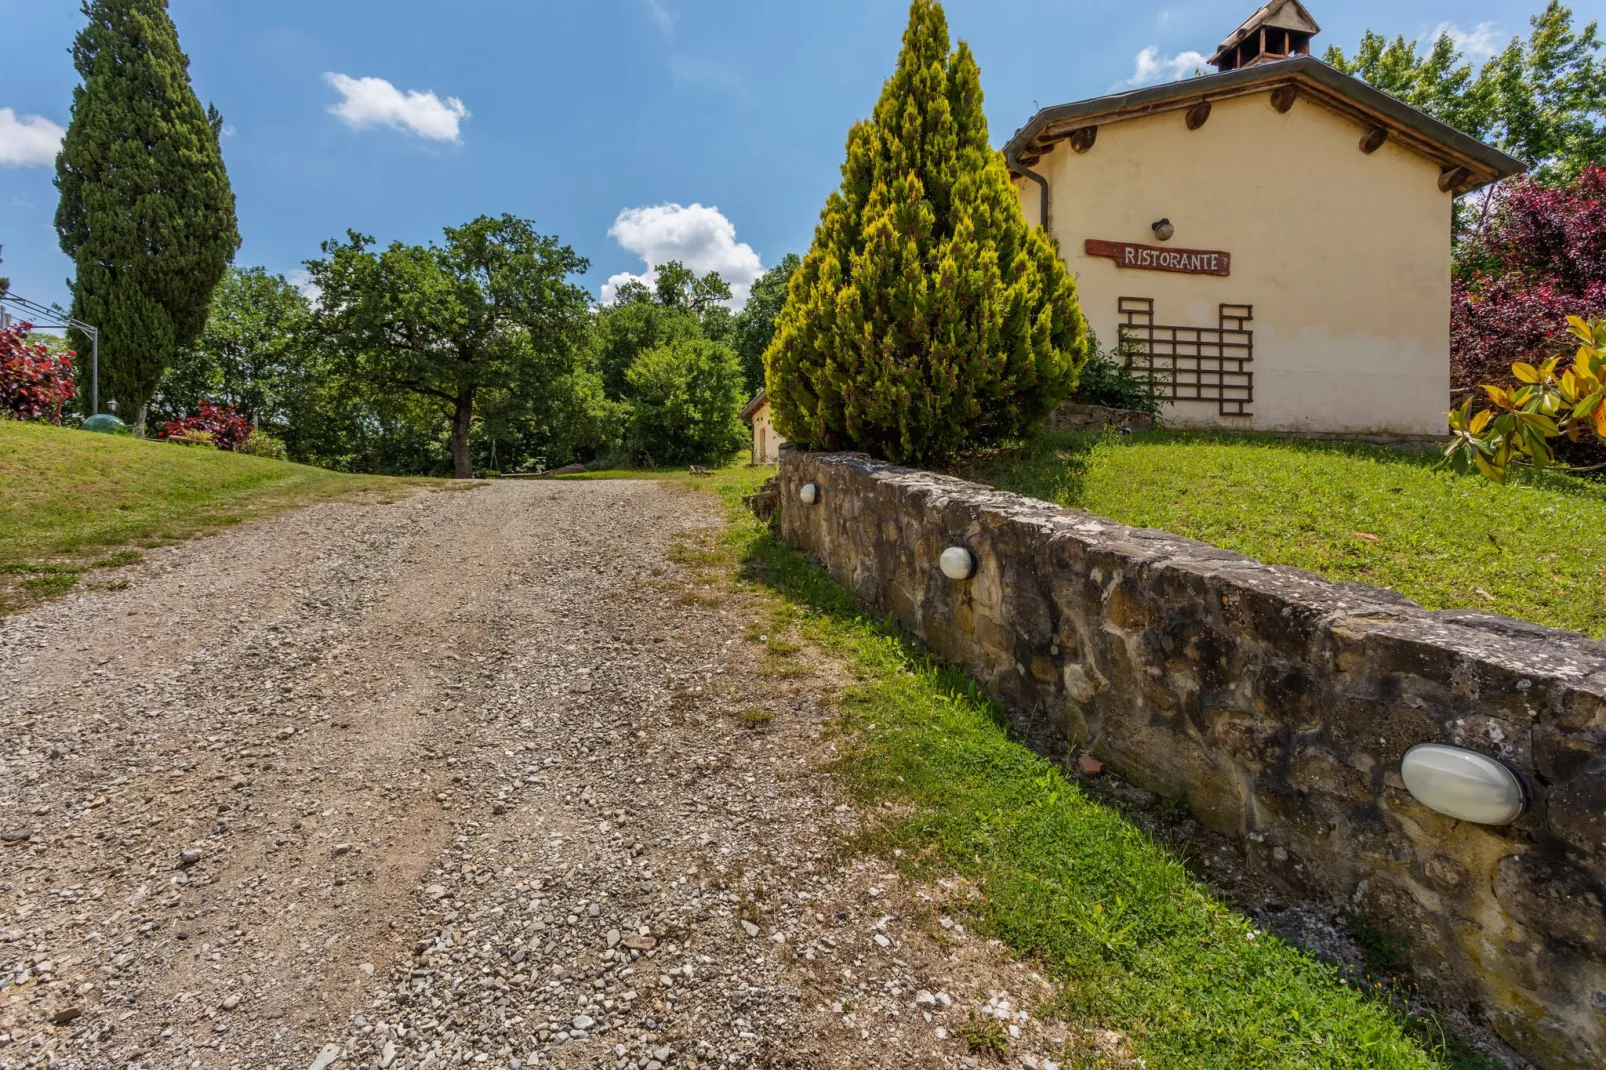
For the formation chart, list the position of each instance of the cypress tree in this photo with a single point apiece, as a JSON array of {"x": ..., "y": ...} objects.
[
  {"x": 146, "y": 210},
  {"x": 927, "y": 317}
]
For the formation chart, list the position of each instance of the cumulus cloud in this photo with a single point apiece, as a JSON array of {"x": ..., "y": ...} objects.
[
  {"x": 1150, "y": 67},
  {"x": 701, "y": 238},
  {"x": 375, "y": 102},
  {"x": 301, "y": 279},
  {"x": 1480, "y": 42},
  {"x": 29, "y": 141}
]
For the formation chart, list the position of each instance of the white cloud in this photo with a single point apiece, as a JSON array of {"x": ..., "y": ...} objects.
[
  {"x": 375, "y": 102},
  {"x": 301, "y": 279},
  {"x": 31, "y": 141},
  {"x": 1481, "y": 42},
  {"x": 1150, "y": 67},
  {"x": 701, "y": 238},
  {"x": 660, "y": 14}
]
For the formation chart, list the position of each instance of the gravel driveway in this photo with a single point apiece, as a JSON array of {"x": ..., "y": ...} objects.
[{"x": 480, "y": 777}]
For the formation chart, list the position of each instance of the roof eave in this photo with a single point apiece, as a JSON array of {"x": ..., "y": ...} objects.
[{"x": 1331, "y": 86}]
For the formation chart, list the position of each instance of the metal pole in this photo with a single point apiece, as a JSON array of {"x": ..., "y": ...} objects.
[{"x": 94, "y": 379}]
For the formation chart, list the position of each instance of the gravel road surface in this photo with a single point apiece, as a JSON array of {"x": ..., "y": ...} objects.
[{"x": 476, "y": 778}]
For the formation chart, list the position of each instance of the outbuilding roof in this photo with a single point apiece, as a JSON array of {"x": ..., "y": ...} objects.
[
  {"x": 1466, "y": 163},
  {"x": 758, "y": 402}
]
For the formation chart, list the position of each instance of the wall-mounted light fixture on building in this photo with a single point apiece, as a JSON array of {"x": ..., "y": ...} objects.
[
  {"x": 1163, "y": 229},
  {"x": 957, "y": 563},
  {"x": 810, "y": 493},
  {"x": 1463, "y": 784}
]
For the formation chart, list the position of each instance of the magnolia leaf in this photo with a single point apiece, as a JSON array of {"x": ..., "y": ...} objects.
[
  {"x": 1569, "y": 386},
  {"x": 1580, "y": 329},
  {"x": 1525, "y": 373},
  {"x": 1496, "y": 395},
  {"x": 1600, "y": 420},
  {"x": 1480, "y": 421},
  {"x": 1589, "y": 404},
  {"x": 1489, "y": 471}
]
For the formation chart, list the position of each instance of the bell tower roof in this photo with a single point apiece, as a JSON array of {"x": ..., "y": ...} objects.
[{"x": 1281, "y": 29}]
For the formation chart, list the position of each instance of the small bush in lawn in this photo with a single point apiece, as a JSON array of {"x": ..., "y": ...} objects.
[
  {"x": 224, "y": 428},
  {"x": 261, "y": 444},
  {"x": 35, "y": 384},
  {"x": 1108, "y": 380}
]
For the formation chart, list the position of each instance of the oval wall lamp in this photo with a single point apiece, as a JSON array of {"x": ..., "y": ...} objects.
[
  {"x": 1463, "y": 784},
  {"x": 957, "y": 563},
  {"x": 1163, "y": 229},
  {"x": 810, "y": 493}
]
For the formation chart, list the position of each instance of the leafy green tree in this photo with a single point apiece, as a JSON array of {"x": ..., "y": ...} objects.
[
  {"x": 434, "y": 328},
  {"x": 146, "y": 210},
  {"x": 686, "y": 403},
  {"x": 927, "y": 316},
  {"x": 754, "y": 326},
  {"x": 635, "y": 323},
  {"x": 1542, "y": 100},
  {"x": 250, "y": 355}
]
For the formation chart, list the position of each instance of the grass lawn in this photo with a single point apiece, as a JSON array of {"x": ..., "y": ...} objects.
[
  {"x": 1535, "y": 549},
  {"x": 71, "y": 501},
  {"x": 1133, "y": 941}
]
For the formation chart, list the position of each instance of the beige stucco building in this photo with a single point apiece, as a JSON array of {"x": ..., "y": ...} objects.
[
  {"x": 1272, "y": 240},
  {"x": 767, "y": 442}
]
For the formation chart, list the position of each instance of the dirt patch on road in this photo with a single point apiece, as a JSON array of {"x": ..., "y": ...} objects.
[{"x": 488, "y": 778}]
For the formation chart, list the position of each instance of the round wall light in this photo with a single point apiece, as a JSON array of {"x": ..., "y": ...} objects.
[
  {"x": 1163, "y": 229},
  {"x": 810, "y": 493},
  {"x": 957, "y": 563},
  {"x": 1463, "y": 784}
]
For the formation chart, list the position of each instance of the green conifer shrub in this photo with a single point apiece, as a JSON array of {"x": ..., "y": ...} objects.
[
  {"x": 146, "y": 210},
  {"x": 927, "y": 317}
]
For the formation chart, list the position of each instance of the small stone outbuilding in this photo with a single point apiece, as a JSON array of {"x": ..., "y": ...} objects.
[{"x": 767, "y": 442}]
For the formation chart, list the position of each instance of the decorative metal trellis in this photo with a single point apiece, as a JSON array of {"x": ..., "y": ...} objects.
[
  {"x": 54, "y": 317},
  {"x": 1193, "y": 363}
]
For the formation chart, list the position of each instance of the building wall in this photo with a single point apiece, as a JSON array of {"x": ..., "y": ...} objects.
[
  {"x": 1345, "y": 256},
  {"x": 767, "y": 442}
]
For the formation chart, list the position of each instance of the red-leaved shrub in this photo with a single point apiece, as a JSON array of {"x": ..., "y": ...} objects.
[
  {"x": 1541, "y": 258},
  {"x": 35, "y": 384},
  {"x": 228, "y": 428}
]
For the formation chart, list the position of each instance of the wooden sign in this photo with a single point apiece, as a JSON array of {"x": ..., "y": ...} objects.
[{"x": 1159, "y": 258}]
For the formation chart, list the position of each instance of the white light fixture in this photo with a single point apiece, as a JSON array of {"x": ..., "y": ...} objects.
[
  {"x": 1163, "y": 229},
  {"x": 1463, "y": 784},
  {"x": 810, "y": 493},
  {"x": 957, "y": 563}
]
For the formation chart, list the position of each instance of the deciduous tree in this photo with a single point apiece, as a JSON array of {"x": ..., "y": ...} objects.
[{"x": 492, "y": 309}]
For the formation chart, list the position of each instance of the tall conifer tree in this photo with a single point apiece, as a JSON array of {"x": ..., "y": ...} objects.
[
  {"x": 927, "y": 317},
  {"x": 146, "y": 210}
]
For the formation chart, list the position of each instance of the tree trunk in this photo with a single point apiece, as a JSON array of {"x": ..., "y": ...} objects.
[{"x": 462, "y": 420}]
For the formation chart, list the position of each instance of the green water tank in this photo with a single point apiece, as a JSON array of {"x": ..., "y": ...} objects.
[{"x": 105, "y": 424}]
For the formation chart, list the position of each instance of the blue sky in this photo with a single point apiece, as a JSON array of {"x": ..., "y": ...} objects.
[{"x": 597, "y": 118}]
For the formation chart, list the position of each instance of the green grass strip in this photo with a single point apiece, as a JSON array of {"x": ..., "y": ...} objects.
[
  {"x": 70, "y": 494},
  {"x": 1133, "y": 940},
  {"x": 1532, "y": 550}
]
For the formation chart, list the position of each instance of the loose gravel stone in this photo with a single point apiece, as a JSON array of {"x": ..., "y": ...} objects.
[{"x": 457, "y": 780}]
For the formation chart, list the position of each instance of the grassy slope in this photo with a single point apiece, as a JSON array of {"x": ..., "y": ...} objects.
[
  {"x": 67, "y": 497},
  {"x": 1532, "y": 550},
  {"x": 1134, "y": 942}
]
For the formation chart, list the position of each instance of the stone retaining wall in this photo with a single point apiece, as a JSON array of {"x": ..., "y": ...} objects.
[{"x": 1279, "y": 706}]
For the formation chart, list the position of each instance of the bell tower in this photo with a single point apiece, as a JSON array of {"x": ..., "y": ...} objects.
[{"x": 1281, "y": 29}]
